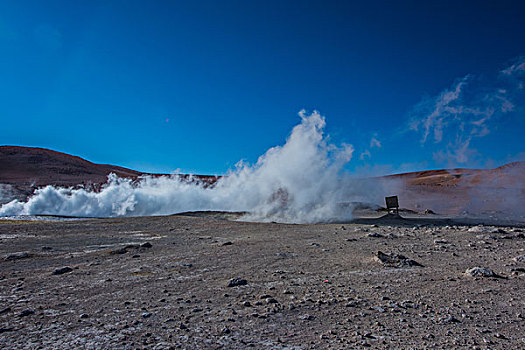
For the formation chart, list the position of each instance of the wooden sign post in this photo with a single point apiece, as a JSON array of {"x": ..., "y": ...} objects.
[{"x": 392, "y": 204}]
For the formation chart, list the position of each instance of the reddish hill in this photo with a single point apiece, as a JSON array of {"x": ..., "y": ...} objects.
[
  {"x": 40, "y": 166},
  {"x": 26, "y": 168},
  {"x": 508, "y": 175},
  {"x": 499, "y": 191}
]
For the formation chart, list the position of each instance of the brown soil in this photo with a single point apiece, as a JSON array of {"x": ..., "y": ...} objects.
[{"x": 307, "y": 286}]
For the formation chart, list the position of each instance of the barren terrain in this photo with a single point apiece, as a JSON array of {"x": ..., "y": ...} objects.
[{"x": 203, "y": 282}]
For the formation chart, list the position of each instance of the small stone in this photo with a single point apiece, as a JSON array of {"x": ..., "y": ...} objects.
[
  {"x": 271, "y": 301},
  {"x": 375, "y": 235},
  {"x": 26, "y": 313},
  {"x": 225, "y": 330},
  {"x": 182, "y": 326},
  {"x": 307, "y": 317},
  {"x": 480, "y": 272},
  {"x": 226, "y": 244},
  {"x": 477, "y": 229},
  {"x": 498, "y": 230},
  {"x": 122, "y": 250},
  {"x": 62, "y": 270},
  {"x": 234, "y": 282},
  {"x": 396, "y": 260},
  {"x": 146, "y": 245},
  {"x": 450, "y": 319},
  {"x": 18, "y": 256},
  {"x": 146, "y": 314},
  {"x": 84, "y": 316}
]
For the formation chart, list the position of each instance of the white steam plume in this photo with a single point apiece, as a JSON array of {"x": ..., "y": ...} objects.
[{"x": 301, "y": 181}]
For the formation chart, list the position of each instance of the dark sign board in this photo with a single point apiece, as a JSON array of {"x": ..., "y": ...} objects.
[{"x": 392, "y": 202}]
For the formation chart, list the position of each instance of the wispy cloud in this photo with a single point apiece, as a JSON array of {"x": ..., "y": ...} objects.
[
  {"x": 365, "y": 155},
  {"x": 466, "y": 111},
  {"x": 516, "y": 68},
  {"x": 374, "y": 142}
]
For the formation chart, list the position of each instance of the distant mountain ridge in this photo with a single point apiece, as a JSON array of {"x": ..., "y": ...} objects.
[
  {"x": 28, "y": 168},
  {"x": 39, "y": 167},
  {"x": 508, "y": 175}
]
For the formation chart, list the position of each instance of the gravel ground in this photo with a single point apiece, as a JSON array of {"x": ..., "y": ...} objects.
[{"x": 200, "y": 282}]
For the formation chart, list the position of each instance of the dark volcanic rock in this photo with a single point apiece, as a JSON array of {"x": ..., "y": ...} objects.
[
  {"x": 396, "y": 260},
  {"x": 25, "y": 313},
  {"x": 62, "y": 270},
  {"x": 480, "y": 272},
  {"x": 234, "y": 282},
  {"x": 122, "y": 250},
  {"x": 18, "y": 256}
]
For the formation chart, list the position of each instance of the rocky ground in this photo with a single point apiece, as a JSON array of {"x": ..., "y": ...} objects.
[{"x": 207, "y": 283}]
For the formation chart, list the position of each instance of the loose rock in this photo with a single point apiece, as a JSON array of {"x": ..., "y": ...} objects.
[
  {"x": 122, "y": 250},
  {"x": 234, "y": 282},
  {"x": 62, "y": 270},
  {"x": 26, "y": 313},
  {"x": 396, "y": 260},
  {"x": 480, "y": 272},
  {"x": 18, "y": 256}
]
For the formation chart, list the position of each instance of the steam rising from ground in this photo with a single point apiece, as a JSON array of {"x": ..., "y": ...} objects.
[{"x": 301, "y": 181}]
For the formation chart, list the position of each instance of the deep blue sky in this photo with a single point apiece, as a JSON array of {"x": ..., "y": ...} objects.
[{"x": 200, "y": 85}]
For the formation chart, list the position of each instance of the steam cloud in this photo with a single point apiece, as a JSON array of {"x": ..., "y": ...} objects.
[{"x": 301, "y": 181}]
